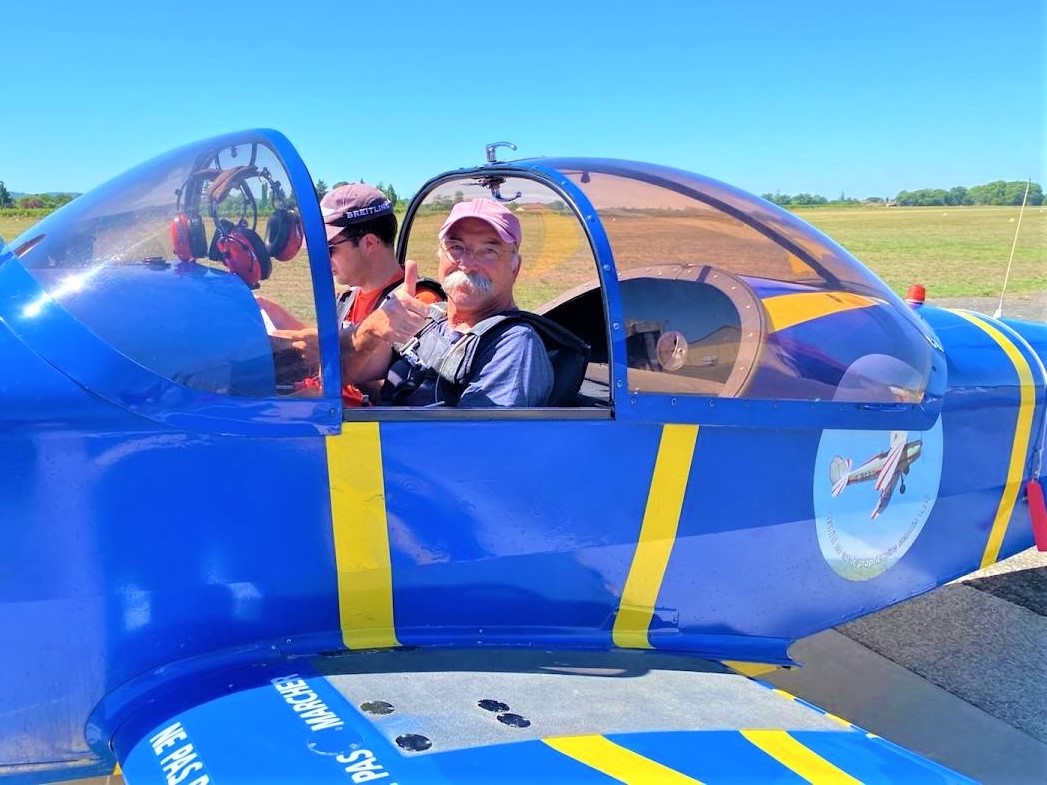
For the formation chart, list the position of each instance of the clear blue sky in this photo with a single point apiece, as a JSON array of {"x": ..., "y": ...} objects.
[{"x": 819, "y": 96}]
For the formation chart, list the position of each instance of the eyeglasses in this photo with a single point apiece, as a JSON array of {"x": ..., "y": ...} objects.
[{"x": 487, "y": 254}]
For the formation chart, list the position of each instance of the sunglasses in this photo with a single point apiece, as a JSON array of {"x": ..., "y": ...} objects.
[{"x": 345, "y": 239}]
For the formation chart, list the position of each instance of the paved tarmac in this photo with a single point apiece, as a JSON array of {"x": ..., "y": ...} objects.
[{"x": 958, "y": 675}]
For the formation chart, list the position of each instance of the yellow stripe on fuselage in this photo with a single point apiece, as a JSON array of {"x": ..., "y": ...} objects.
[
  {"x": 1020, "y": 444},
  {"x": 787, "y": 310},
  {"x": 661, "y": 518},
  {"x": 616, "y": 761},
  {"x": 798, "y": 758},
  {"x": 361, "y": 537}
]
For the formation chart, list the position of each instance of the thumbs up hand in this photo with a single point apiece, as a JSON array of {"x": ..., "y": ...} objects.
[
  {"x": 410, "y": 284},
  {"x": 402, "y": 314},
  {"x": 367, "y": 347}
]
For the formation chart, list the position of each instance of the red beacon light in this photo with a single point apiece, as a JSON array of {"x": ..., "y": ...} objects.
[{"x": 916, "y": 295}]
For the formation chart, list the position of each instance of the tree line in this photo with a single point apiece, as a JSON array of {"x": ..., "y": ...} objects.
[
  {"x": 998, "y": 192},
  {"x": 233, "y": 203},
  {"x": 32, "y": 201}
]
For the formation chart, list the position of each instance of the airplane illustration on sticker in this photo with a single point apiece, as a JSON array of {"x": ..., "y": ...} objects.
[{"x": 888, "y": 468}]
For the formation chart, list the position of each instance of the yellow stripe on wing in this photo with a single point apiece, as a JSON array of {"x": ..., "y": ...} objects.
[
  {"x": 1022, "y": 436},
  {"x": 751, "y": 669},
  {"x": 616, "y": 761},
  {"x": 361, "y": 537},
  {"x": 787, "y": 310},
  {"x": 798, "y": 758},
  {"x": 829, "y": 715},
  {"x": 661, "y": 518}
]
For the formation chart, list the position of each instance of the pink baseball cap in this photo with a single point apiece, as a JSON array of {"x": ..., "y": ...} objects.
[
  {"x": 352, "y": 204},
  {"x": 497, "y": 215}
]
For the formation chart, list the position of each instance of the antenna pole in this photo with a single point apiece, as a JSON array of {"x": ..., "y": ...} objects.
[{"x": 999, "y": 308}]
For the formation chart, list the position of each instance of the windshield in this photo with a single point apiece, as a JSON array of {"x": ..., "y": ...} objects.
[
  {"x": 186, "y": 264},
  {"x": 726, "y": 294}
]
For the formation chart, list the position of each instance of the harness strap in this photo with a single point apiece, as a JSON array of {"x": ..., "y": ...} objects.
[
  {"x": 345, "y": 304},
  {"x": 457, "y": 361},
  {"x": 409, "y": 370},
  {"x": 450, "y": 363}
]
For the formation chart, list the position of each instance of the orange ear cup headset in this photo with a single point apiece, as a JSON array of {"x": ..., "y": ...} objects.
[
  {"x": 241, "y": 250},
  {"x": 283, "y": 230},
  {"x": 283, "y": 234},
  {"x": 237, "y": 245},
  {"x": 188, "y": 235}
]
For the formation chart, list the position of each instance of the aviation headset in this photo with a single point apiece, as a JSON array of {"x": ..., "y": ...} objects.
[
  {"x": 238, "y": 245},
  {"x": 283, "y": 230},
  {"x": 188, "y": 235}
]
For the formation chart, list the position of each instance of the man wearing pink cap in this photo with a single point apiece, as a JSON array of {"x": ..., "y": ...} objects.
[{"x": 477, "y": 354}]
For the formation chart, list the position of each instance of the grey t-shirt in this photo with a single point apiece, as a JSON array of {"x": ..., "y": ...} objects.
[{"x": 512, "y": 370}]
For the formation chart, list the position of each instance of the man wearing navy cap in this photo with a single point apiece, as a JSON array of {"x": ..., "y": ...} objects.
[{"x": 361, "y": 230}]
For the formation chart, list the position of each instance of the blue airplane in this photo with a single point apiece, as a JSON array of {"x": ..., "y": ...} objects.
[{"x": 213, "y": 572}]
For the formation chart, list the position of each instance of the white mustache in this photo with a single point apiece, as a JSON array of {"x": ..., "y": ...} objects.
[{"x": 477, "y": 282}]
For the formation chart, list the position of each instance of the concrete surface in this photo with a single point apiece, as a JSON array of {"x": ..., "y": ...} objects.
[{"x": 958, "y": 675}]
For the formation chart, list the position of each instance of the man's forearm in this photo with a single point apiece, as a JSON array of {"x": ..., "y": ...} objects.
[
  {"x": 366, "y": 354},
  {"x": 367, "y": 348}
]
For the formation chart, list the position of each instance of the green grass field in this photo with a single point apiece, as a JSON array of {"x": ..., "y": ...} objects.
[
  {"x": 11, "y": 227},
  {"x": 953, "y": 251}
]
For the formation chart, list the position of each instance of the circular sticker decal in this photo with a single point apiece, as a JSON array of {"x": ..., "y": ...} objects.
[{"x": 873, "y": 492}]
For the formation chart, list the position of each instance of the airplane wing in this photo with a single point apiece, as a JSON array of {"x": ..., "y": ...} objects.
[
  {"x": 486, "y": 716},
  {"x": 889, "y": 475},
  {"x": 894, "y": 456},
  {"x": 885, "y": 496}
]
